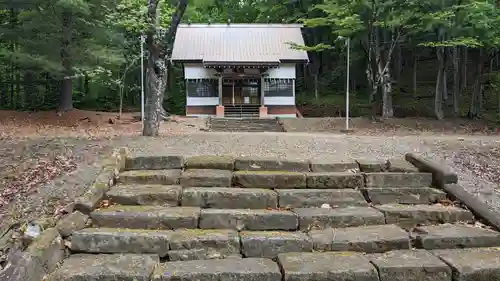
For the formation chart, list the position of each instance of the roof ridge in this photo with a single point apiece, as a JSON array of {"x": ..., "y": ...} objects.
[{"x": 243, "y": 25}]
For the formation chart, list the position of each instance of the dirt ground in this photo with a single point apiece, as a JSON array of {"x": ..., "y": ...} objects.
[
  {"x": 401, "y": 126},
  {"x": 47, "y": 160}
]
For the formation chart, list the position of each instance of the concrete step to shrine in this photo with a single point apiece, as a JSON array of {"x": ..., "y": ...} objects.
[
  {"x": 242, "y": 125},
  {"x": 220, "y": 218}
]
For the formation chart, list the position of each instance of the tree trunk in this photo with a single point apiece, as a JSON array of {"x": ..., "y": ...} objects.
[
  {"x": 465, "y": 60},
  {"x": 13, "y": 22},
  {"x": 445, "y": 77},
  {"x": 398, "y": 62},
  {"x": 316, "y": 91},
  {"x": 160, "y": 48},
  {"x": 415, "y": 69},
  {"x": 384, "y": 71},
  {"x": 475, "y": 99},
  {"x": 66, "y": 98},
  {"x": 438, "y": 98},
  {"x": 387, "y": 109},
  {"x": 29, "y": 90},
  {"x": 456, "y": 82}
]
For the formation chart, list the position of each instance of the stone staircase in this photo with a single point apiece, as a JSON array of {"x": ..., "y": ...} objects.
[
  {"x": 248, "y": 219},
  {"x": 244, "y": 125}
]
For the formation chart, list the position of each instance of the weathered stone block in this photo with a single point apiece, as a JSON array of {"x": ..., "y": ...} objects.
[
  {"x": 325, "y": 165},
  {"x": 90, "y": 200},
  {"x": 229, "y": 198},
  {"x": 369, "y": 239},
  {"x": 245, "y": 219},
  {"x": 217, "y": 243},
  {"x": 22, "y": 267},
  {"x": 412, "y": 215},
  {"x": 270, "y": 179},
  {"x": 304, "y": 198},
  {"x": 72, "y": 222},
  {"x": 117, "y": 240},
  {"x": 123, "y": 267},
  {"x": 199, "y": 254},
  {"x": 250, "y": 269},
  {"x": 401, "y": 165},
  {"x": 47, "y": 249},
  {"x": 206, "y": 178},
  {"x": 210, "y": 162},
  {"x": 268, "y": 244},
  {"x": 163, "y": 195},
  {"x": 449, "y": 236},
  {"x": 335, "y": 180},
  {"x": 320, "y": 218},
  {"x": 146, "y": 217},
  {"x": 441, "y": 173},
  {"x": 392, "y": 180},
  {"x": 341, "y": 266},
  {"x": 150, "y": 162},
  {"x": 372, "y": 165},
  {"x": 416, "y": 265},
  {"x": 404, "y": 195},
  {"x": 271, "y": 164},
  {"x": 166, "y": 177},
  {"x": 472, "y": 264}
]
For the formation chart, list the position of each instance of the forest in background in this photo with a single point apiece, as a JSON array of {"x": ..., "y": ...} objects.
[{"x": 408, "y": 58}]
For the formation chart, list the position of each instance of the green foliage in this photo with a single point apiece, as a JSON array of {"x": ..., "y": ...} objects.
[{"x": 104, "y": 47}]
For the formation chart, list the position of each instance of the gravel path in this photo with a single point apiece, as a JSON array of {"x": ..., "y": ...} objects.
[{"x": 475, "y": 158}]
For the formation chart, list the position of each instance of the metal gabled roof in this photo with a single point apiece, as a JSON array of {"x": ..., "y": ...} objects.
[{"x": 238, "y": 43}]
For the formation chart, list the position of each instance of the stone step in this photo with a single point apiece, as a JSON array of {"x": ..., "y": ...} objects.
[
  {"x": 246, "y": 130},
  {"x": 150, "y": 162},
  {"x": 123, "y": 267},
  {"x": 315, "y": 198},
  {"x": 155, "y": 194},
  {"x": 448, "y": 236},
  {"x": 159, "y": 217},
  {"x": 214, "y": 162},
  {"x": 206, "y": 178},
  {"x": 229, "y": 198},
  {"x": 190, "y": 244},
  {"x": 404, "y": 195},
  {"x": 368, "y": 239},
  {"x": 270, "y": 179},
  {"x": 183, "y": 244},
  {"x": 397, "y": 179},
  {"x": 409, "y": 216},
  {"x": 246, "y": 219},
  {"x": 440, "y": 265},
  {"x": 232, "y": 197},
  {"x": 248, "y": 163},
  {"x": 335, "y": 180},
  {"x": 146, "y": 217},
  {"x": 250, "y": 269},
  {"x": 241, "y": 127},
  {"x": 321, "y": 218},
  {"x": 166, "y": 177}
]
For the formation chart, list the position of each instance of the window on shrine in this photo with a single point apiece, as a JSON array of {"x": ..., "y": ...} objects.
[
  {"x": 278, "y": 87},
  {"x": 202, "y": 88}
]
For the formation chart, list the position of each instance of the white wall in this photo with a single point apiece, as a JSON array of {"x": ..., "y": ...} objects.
[
  {"x": 190, "y": 101},
  {"x": 197, "y": 71},
  {"x": 286, "y": 70}
]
